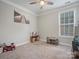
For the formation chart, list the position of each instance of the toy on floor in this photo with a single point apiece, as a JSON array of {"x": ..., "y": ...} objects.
[{"x": 8, "y": 48}]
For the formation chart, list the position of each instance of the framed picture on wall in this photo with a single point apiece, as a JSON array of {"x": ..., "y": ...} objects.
[{"x": 18, "y": 18}]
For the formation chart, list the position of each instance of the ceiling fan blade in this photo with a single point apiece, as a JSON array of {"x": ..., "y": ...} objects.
[
  {"x": 33, "y": 3},
  {"x": 49, "y": 3}
]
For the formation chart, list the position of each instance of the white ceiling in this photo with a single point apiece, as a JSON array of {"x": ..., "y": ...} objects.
[{"x": 36, "y": 7}]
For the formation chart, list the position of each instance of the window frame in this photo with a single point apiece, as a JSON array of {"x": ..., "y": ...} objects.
[{"x": 74, "y": 11}]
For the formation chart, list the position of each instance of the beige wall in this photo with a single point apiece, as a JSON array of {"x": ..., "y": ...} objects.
[
  {"x": 15, "y": 32},
  {"x": 49, "y": 23}
]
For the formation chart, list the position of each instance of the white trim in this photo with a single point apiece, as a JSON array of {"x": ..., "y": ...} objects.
[
  {"x": 73, "y": 23},
  {"x": 22, "y": 43},
  {"x": 65, "y": 44},
  {"x": 44, "y": 40},
  {"x": 57, "y": 9},
  {"x": 20, "y": 7},
  {"x": 76, "y": 18},
  {"x": 59, "y": 22},
  {"x": 41, "y": 13}
]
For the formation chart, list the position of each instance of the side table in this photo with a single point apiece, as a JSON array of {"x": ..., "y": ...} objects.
[
  {"x": 34, "y": 38},
  {"x": 52, "y": 40}
]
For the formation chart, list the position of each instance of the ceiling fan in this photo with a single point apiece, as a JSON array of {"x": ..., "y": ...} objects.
[{"x": 41, "y": 3}]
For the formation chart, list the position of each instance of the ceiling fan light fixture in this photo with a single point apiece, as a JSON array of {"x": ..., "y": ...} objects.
[{"x": 42, "y": 2}]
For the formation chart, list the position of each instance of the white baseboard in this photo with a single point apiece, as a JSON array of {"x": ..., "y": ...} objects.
[
  {"x": 22, "y": 43},
  {"x": 65, "y": 44},
  {"x": 43, "y": 40}
]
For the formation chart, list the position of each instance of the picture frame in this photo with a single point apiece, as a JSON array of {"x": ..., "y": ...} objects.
[{"x": 18, "y": 18}]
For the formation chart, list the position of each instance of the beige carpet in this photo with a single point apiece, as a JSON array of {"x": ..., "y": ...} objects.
[{"x": 38, "y": 50}]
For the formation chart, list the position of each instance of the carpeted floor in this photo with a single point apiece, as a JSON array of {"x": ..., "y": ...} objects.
[{"x": 38, "y": 50}]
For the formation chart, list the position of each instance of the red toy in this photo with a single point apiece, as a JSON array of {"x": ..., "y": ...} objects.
[{"x": 9, "y": 48}]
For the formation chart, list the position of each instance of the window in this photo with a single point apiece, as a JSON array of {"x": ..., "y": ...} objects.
[{"x": 67, "y": 23}]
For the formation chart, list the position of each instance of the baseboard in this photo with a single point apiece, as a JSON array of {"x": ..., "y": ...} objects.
[
  {"x": 22, "y": 43},
  {"x": 59, "y": 43},
  {"x": 65, "y": 44},
  {"x": 43, "y": 40}
]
